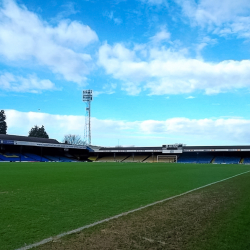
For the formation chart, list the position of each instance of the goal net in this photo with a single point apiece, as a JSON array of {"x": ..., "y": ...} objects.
[{"x": 167, "y": 158}]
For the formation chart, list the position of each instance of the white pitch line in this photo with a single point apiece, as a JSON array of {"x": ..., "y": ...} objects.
[{"x": 120, "y": 215}]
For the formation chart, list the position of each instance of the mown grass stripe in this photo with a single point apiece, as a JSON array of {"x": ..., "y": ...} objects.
[{"x": 122, "y": 214}]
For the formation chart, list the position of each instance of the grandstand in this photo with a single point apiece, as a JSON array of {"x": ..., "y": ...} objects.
[
  {"x": 227, "y": 160},
  {"x": 175, "y": 153},
  {"x": 109, "y": 158},
  {"x": 195, "y": 158},
  {"x": 151, "y": 158},
  {"x": 26, "y": 149},
  {"x": 129, "y": 158},
  {"x": 10, "y": 157},
  {"x": 120, "y": 158},
  {"x": 58, "y": 158},
  {"x": 246, "y": 160},
  {"x": 140, "y": 158}
]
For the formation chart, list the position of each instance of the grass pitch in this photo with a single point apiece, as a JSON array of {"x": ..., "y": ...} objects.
[
  {"x": 213, "y": 218},
  {"x": 39, "y": 200}
]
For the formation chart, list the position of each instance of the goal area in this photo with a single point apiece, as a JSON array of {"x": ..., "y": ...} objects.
[{"x": 167, "y": 158}]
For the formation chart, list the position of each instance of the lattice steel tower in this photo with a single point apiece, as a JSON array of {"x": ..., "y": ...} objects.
[{"x": 87, "y": 98}]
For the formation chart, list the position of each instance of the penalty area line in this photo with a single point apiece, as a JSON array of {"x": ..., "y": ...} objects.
[{"x": 120, "y": 215}]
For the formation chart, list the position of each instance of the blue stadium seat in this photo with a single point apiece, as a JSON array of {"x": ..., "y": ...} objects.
[
  {"x": 65, "y": 159},
  {"x": 246, "y": 160},
  {"x": 23, "y": 157},
  {"x": 227, "y": 160},
  {"x": 58, "y": 158},
  {"x": 35, "y": 157},
  {"x": 10, "y": 157},
  {"x": 205, "y": 159},
  {"x": 196, "y": 158},
  {"x": 184, "y": 159},
  {"x": 52, "y": 158}
]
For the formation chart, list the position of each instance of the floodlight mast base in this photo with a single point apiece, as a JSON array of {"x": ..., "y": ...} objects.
[{"x": 87, "y": 98}]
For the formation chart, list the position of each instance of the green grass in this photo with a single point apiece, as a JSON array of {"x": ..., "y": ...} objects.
[
  {"x": 213, "y": 218},
  {"x": 230, "y": 228},
  {"x": 38, "y": 200}
]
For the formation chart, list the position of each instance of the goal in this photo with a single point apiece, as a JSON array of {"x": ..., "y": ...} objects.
[{"x": 167, "y": 158}]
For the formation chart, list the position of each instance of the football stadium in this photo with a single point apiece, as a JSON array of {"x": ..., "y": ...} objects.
[
  {"x": 62, "y": 196},
  {"x": 154, "y": 154},
  {"x": 29, "y": 149}
]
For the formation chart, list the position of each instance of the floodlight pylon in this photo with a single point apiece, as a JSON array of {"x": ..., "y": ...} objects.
[{"x": 87, "y": 98}]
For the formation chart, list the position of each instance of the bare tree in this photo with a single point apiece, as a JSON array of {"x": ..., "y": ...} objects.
[{"x": 73, "y": 139}]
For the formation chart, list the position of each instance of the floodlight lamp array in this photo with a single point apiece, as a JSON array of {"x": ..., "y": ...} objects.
[{"x": 87, "y": 95}]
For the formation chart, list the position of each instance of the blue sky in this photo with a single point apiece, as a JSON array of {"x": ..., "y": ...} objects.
[{"x": 162, "y": 71}]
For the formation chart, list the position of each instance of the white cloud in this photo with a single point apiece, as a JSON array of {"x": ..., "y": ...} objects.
[
  {"x": 72, "y": 33},
  {"x": 26, "y": 37},
  {"x": 222, "y": 17},
  {"x": 162, "y": 35},
  {"x": 106, "y": 89},
  {"x": 167, "y": 71},
  {"x": 59, "y": 125},
  {"x": 10, "y": 82},
  {"x": 205, "y": 41},
  {"x": 224, "y": 130},
  {"x": 132, "y": 88},
  {"x": 68, "y": 9},
  {"x": 111, "y": 16},
  {"x": 155, "y": 2},
  {"x": 233, "y": 129},
  {"x": 190, "y": 97}
]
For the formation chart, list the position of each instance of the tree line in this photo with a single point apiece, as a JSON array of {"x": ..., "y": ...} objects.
[
  {"x": 40, "y": 132},
  {"x": 3, "y": 124}
]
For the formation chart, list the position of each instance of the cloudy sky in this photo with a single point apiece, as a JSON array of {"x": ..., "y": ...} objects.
[{"x": 162, "y": 71}]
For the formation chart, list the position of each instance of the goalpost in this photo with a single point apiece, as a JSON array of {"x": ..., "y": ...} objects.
[{"x": 167, "y": 158}]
